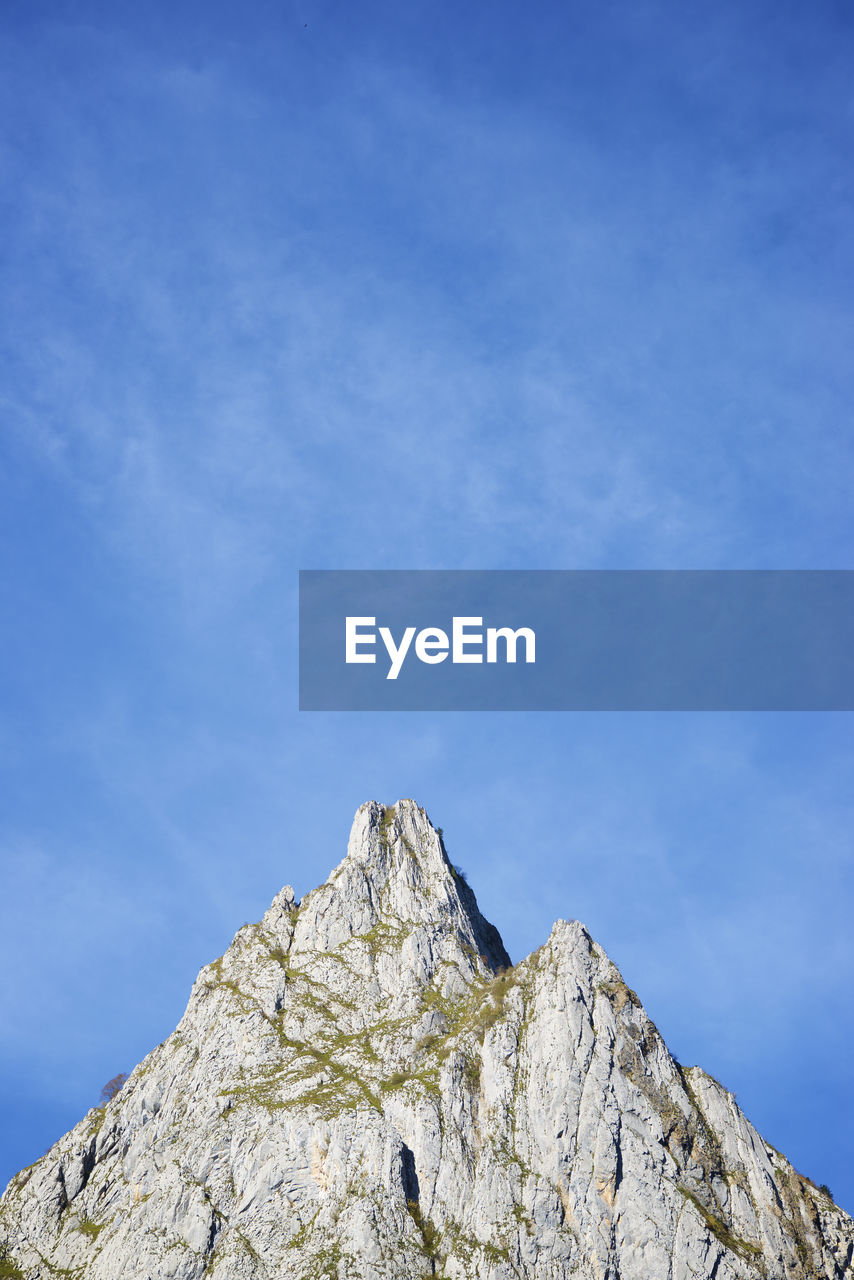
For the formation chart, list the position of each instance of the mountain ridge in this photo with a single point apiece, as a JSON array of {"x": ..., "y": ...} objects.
[{"x": 363, "y": 1086}]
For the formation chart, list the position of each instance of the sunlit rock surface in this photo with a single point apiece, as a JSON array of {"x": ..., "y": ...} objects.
[{"x": 363, "y": 1087}]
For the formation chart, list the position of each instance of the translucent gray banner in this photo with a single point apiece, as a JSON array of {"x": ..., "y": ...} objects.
[{"x": 576, "y": 640}]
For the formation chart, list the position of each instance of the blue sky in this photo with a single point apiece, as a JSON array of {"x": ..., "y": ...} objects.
[{"x": 389, "y": 286}]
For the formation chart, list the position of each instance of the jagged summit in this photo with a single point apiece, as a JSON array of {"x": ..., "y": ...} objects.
[
  {"x": 397, "y": 868},
  {"x": 362, "y": 1088}
]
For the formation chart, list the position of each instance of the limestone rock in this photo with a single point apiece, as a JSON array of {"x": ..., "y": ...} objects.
[{"x": 364, "y": 1088}]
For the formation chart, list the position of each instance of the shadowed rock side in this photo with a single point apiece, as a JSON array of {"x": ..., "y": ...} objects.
[{"x": 362, "y": 1086}]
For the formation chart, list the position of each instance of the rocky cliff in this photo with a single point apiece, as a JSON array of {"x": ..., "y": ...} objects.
[{"x": 364, "y": 1087}]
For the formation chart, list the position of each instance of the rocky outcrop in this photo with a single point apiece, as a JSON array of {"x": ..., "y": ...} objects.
[{"x": 364, "y": 1087}]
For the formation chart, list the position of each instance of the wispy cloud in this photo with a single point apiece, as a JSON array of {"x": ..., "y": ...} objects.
[{"x": 246, "y": 390}]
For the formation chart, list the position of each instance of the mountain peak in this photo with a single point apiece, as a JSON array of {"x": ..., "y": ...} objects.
[
  {"x": 362, "y": 1089},
  {"x": 397, "y": 874},
  {"x": 402, "y": 829}
]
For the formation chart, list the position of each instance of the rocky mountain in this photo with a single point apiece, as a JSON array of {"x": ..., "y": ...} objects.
[{"x": 364, "y": 1087}]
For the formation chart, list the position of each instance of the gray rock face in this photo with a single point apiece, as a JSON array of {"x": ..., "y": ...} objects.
[{"x": 363, "y": 1087}]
